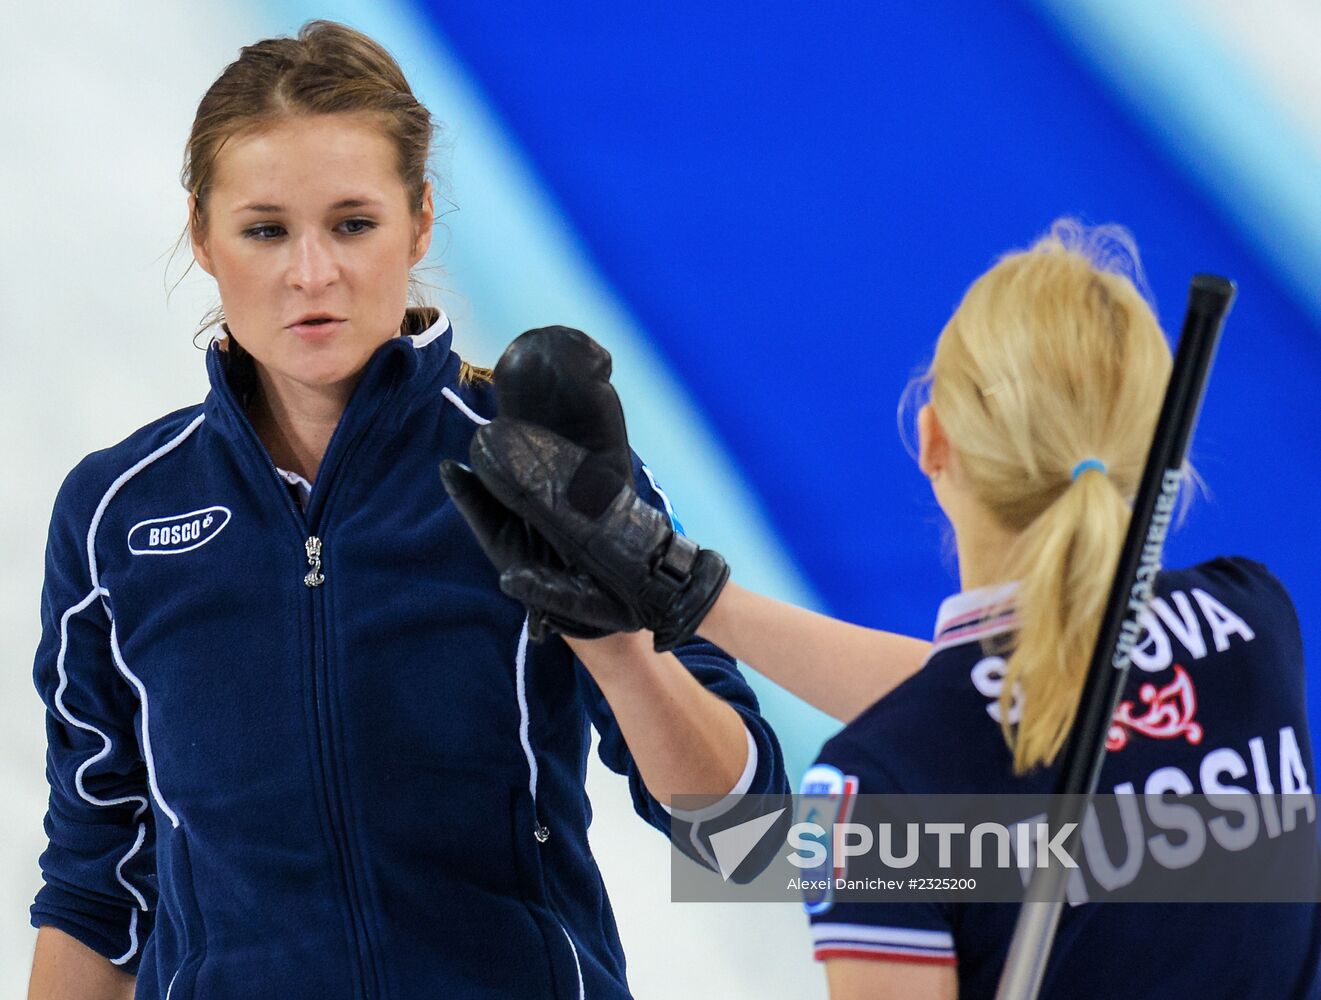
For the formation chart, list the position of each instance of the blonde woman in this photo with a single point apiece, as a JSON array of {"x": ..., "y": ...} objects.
[
  {"x": 299, "y": 743},
  {"x": 1044, "y": 391}
]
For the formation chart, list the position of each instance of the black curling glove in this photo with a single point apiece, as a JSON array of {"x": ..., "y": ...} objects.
[
  {"x": 598, "y": 524},
  {"x": 557, "y": 456},
  {"x": 512, "y": 545},
  {"x": 560, "y": 378}
]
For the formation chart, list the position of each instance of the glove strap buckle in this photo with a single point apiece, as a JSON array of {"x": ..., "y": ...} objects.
[{"x": 676, "y": 562}]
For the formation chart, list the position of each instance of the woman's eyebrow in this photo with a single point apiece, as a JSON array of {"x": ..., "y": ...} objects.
[{"x": 343, "y": 203}]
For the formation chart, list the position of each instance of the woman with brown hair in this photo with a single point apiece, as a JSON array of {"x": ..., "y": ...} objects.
[{"x": 299, "y": 742}]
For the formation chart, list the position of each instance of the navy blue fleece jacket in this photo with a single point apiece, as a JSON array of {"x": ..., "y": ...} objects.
[{"x": 308, "y": 752}]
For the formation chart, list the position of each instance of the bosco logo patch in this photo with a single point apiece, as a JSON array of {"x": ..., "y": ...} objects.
[{"x": 169, "y": 536}]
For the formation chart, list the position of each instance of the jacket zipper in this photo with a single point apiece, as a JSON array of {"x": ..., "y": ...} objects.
[
  {"x": 362, "y": 959},
  {"x": 313, "y": 579},
  {"x": 337, "y": 456}
]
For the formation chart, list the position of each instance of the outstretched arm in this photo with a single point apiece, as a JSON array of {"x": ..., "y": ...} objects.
[
  {"x": 632, "y": 569},
  {"x": 686, "y": 730},
  {"x": 837, "y": 667},
  {"x": 685, "y": 739},
  {"x": 555, "y": 467}
]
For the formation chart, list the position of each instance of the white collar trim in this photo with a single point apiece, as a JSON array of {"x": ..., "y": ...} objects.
[
  {"x": 435, "y": 330},
  {"x": 976, "y": 613}
]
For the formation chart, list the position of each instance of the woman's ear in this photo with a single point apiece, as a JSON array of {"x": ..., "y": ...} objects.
[
  {"x": 199, "y": 248},
  {"x": 933, "y": 451},
  {"x": 426, "y": 220}
]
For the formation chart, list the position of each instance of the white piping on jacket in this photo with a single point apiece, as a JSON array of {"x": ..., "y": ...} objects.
[
  {"x": 524, "y": 720},
  {"x": 132, "y": 939},
  {"x": 146, "y": 731},
  {"x": 83, "y": 793},
  {"x": 520, "y": 659},
  {"x": 582, "y": 993},
  {"x": 138, "y": 686},
  {"x": 119, "y": 868},
  {"x": 464, "y": 408},
  {"x": 85, "y": 726},
  {"x": 98, "y": 591},
  {"x": 124, "y": 477}
]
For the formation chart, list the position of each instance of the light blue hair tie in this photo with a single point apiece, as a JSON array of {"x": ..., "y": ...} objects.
[{"x": 1089, "y": 463}]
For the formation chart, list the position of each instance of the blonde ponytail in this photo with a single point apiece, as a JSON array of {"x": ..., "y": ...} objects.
[
  {"x": 1053, "y": 357},
  {"x": 1064, "y": 560}
]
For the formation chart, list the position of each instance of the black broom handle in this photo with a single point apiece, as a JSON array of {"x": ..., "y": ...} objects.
[{"x": 1209, "y": 299}]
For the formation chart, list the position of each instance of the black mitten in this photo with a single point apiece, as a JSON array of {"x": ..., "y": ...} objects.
[
  {"x": 586, "y": 507},
  {"x": 568, "y": 602},
  {"x": 556, "y": 381}
]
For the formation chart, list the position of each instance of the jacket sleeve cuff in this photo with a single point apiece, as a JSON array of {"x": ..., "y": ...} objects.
[
  {"x": 731, "y": 798},
  {"x": 117, "y": 933}
]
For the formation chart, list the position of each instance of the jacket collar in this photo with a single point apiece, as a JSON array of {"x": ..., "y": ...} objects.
[
  {"x": 976, "y": 614},
  {"x": 411, "y": 363}
]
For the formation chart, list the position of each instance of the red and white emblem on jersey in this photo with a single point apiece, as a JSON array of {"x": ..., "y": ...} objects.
[{"x": 1169, "y": 713}]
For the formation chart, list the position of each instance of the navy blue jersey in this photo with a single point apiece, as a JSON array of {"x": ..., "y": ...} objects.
[{"x": 1215, "y": 699}]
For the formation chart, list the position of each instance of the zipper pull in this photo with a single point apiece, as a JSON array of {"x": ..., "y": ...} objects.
[{"x": 314, "y": 577}]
